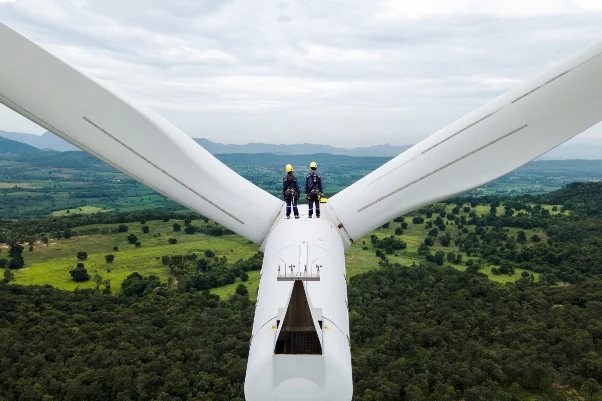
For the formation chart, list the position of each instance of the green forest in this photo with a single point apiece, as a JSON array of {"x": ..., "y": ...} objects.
[
  {"x": 39, "y": 183},
  {"x": 479, "y": 298},
  {"x": 112, "y": 292}
]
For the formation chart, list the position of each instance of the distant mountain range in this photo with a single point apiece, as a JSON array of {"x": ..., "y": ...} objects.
[
  {"x": 45, "y": 141},
  {"x": 51, "y": 141},
  {"x": 300, "y": 149},
  {"x": 10, "y": 146}
]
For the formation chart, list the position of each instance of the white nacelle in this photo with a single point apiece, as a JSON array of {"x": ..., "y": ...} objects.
[{"x": 301, "y": 243}]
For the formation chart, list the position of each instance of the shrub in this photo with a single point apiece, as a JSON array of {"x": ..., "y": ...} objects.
[
  {"x": 209, "y": 253},
  {"x": 241, "y": 289},
  {"x": 122, "y": 228},
  {"x": 145, "y": 229},
  {"x": 109, "y": 258},
  {"x": 132, "y": 239},
  {"x": 79, "y": 274},
  {"x": 176, "y": 227},
  {"x": 418, "y": 220},
  {"x": 172, "y": 241},
  {"x": 82, "y": 255}
]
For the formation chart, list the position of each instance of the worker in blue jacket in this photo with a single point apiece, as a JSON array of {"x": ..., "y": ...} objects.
[
  {"x": 290, "y": 192},
  {"x": 313, "y": 190}
]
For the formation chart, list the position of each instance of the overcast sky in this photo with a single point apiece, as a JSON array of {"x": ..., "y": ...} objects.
[{"x": 341, "y": 72}]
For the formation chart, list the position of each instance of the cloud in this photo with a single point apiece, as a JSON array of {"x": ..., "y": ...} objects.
[{"x": 347, "y": 73}]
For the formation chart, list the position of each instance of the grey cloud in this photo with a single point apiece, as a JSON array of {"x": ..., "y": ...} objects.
[{"x": 331, "y": 71}]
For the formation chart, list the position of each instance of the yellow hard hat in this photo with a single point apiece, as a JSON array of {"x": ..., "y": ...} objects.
[
  {"x": 289, "y": 168},
  {"x": 313, "y": 165}
]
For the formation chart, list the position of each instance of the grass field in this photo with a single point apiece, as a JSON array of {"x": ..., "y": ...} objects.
[
  {"x": 80, "y": 210},
  {"x": 51, "y": 264}
]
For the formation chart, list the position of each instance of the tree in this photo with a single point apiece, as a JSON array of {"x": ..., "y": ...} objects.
[
  {"x": 67, "y": 233},
  {"x": 521, "y": 237},
  {"x": 209, "y": 253},
  {"x": 115, "y": 248},
  {"x": 45, "y": 240},
  {"x": 189, "y": 229},
  {"x": 16, "y": 262},
  {"x": 244, "y": 276},
  {"x": 428, "y": 241},
  {"x": 3, "y": 263},
  {"x": 241, "y": 289},
  {"x": 535, "y": 238},
  {"x": 590, "y": 387},
  {"x": 414, "y": 393},
  {"x": 82, "y": 255},
  {"x": 132, "y": 239},
  {"x": 97, "y": 280},
  {"x": 138, "y": 244},
  {"x": 8, "y": 276},
  {"x": 79, "y": 274},
  {"x": 445, "y": 239},
  {"x": 418, "y": 220},
  {"x": 109, "y": 258},
  {"x": 451, "y": 257},
  {"x": 145, "y": 229},
  {"x": 398, "y": 231},
  {"x": 386, "y": 225},
  {"x": 122, "y": 228},
  {"x": 176, "y": 227},
  {"x": 439, "y": 257},
  {"x": 15, "y": 249},
  {"x": 172, "y": 241},
  {"x": 107, "y": 289}
]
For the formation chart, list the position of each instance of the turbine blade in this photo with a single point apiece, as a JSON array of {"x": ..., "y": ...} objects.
[
  {"x": 129, "y": 137},
  {"x": 486, "y": 144}
]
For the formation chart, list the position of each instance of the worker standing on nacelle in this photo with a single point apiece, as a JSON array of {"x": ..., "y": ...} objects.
[
  {"x": 290, "y": 192},
  {"x": 313, "y": 190}
]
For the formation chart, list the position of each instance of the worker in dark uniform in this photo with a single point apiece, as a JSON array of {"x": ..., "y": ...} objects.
[
  {"x": 313, "y": 190},
  {"x": 290, "y": 192}
]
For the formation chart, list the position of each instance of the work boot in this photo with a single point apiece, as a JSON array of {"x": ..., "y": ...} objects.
[
  {"x": 317, "y": 217},
  {"x": 309, "y": 217},
  {"x": 288, "y": 217},
  {"x": 296, "y": 217}
]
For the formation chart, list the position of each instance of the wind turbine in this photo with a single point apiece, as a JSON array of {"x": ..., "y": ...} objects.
[{"x": 300, "y": 340}]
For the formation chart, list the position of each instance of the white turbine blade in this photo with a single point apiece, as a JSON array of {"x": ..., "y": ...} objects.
[
  {"x": 486, "y": 144},
  {"x": 129, "y": 137}
]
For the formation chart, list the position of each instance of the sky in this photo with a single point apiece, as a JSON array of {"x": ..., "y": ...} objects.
[{"x": 340, "y": 72}]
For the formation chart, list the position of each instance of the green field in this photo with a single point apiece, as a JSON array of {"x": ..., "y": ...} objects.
[
  {"x": 80, "y": 210},
  {"x": 51, "y": 264}
]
